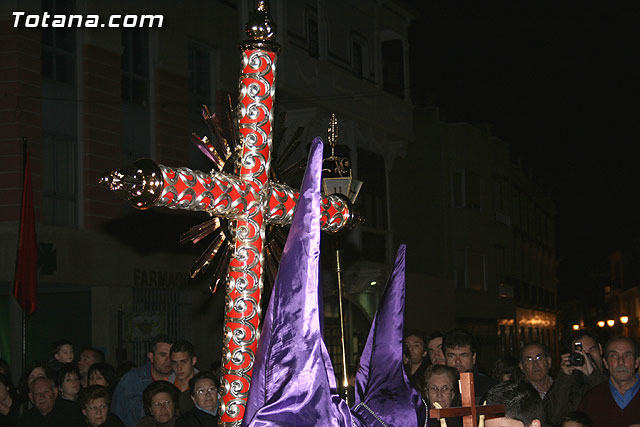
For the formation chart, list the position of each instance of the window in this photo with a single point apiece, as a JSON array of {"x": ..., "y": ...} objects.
[
  {"x": 460, "y": 269},
  {"x": 135, "y": 66},
  {"x": 373, "y": 204},
  {"x": 58, "y": 45},
  {"x": 313, "y": 37},
  {"x": 477, "y": 278},
  {"x": 202, "y": 61},
  {"x": 457, "y": 193},
  {"x": 393, "y": 67},
  {"x": 58, "y": 181},
  {"x": 466, "y": 189},
  {"x": 356, "y": 59}
]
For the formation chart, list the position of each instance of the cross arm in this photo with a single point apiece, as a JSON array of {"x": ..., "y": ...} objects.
[{"x": 146, "y": 184}]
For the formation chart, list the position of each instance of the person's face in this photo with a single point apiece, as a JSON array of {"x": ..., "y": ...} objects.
[
  {"x": 508, "y": 422},
  {"x": 572, "y": 423},
  {"x": 620, "y": 361},
  {"x": 434, "y": 349},
  {"x": 162, "y": 409},
  {"x": 440, "y": 389},
  {"x": 160, "y": 358},
  {"x": 205, "y": 394},
  {"x": 183, "y": 364},
  {"x": 461, "y": 358},
  {"x": 65, "y": 354},
  {"x": 416, "y": 348},
  {"x": 4, "y": 391},
  {"x": 535, "y": 364},
  {"x": 96, "y": 378},
  {"x": 96, "y": 411},
  {"x": 590, "y": 346},
  {"x": 43, "y": 396},
  {"x": 71, "y": 385},
  {"x": 87, "y": 358},
  {"x": 35, "y": 373}
]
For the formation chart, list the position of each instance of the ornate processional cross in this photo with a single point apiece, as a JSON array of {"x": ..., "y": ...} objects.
[
  {"x": 240, "y": 197},
  {"x": 469, "y": 411}
]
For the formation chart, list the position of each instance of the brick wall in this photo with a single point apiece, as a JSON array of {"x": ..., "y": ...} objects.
[
  {"x": 173, "y": 136},
  {"x": 102, "y": 121},
  {"x": 20, "y": 115}
]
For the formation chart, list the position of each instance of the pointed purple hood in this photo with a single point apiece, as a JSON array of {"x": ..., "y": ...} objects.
[
  {"x": 293, "y": 380},
  {"x": 382, "y": 387}
]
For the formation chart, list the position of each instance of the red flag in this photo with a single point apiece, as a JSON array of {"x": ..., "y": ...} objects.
[{"x": 26, "y": 264}]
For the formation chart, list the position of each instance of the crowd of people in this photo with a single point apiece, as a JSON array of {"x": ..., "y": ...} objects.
[
  {"x": 87, "y": 391},
  {"x": 596, "y": 385}
]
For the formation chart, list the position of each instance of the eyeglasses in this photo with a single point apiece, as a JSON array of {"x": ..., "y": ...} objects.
[
  {"x": 536, "y": 358},
  {"x": 165, "y": 404},
  {"x": 203, "y": 391},
  {"x": 438, "y": 390},
  {"x": 97, "y": 408}
]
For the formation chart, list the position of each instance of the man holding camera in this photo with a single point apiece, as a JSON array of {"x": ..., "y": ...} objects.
[{"x": 580, "y": 371}]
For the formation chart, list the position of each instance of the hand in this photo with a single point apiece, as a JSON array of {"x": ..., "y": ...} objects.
[
  {"x": 564, "y": 364},
  {"x": 587, "y": 368}
]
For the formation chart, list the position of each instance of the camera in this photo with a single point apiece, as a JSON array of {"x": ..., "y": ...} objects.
[{"x": 575, "y": 358}]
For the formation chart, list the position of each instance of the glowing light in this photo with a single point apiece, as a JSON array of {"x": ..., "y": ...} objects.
[
  {"x": 373, "y": 283},
  {"x": 624, "y": 319},
  {"x": 601, "y": 323},
  {"x": 611, "y": 322},
  {"x": 576, "y": 327}
]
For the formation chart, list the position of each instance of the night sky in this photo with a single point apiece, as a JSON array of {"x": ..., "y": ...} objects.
[{"x": 559, "y": 85}]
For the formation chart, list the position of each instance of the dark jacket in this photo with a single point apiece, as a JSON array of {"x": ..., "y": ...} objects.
[
  {"x": 12, "y": 417},
  {"x": 149, "y": 421},
  {"x": 566, "y": 393},
  {"x": 197, "y": 418},
  {"x": 65, "y": 413},
  {"x": 112, "y": 421}
]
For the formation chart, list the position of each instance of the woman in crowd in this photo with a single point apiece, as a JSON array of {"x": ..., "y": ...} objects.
[
  {"x": 103, "y": 374},
  {"x": 9, "y": 413},
  {"x": 204, "y": 394},
  {"x": 160, "y": 400},
  {"x": 95, "y": 401},
  {"x": 68, "y": 382},
  {"x": 441, "y": 391}
]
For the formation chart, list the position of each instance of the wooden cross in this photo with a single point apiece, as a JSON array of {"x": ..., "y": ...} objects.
[{"x": 469, "y": 411}]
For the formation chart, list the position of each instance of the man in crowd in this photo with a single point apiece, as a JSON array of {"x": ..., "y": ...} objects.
[
  {"x": 88, "y": 356},
  {"x": 616, "y": 403},
  {"x": 415, "y": 342},
  {"x": 127, "y": 398},
  {"x": 523, "y": 407},
  {"x": 574, "y": 381},
  {"x": 434, "y": 348},
  {"x": 183, "y": 362},
  {"x": 460, "y": 353},
  {"x": 48, "y": 409},
  {"x": 535, "y": 363}
]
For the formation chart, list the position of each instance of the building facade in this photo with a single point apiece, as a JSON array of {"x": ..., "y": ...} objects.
[
  {"x": 89, "y": 100},
  {"x": 480, "y": 235}
]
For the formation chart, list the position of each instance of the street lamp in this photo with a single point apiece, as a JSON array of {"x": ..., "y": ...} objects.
[
  {"x": 601, "y": 323},
  {"x": 576, "y": 327},
  {"x": 624, "y": 319},
  {"x": 611, "y": 322},
  {"x": 341, "y": 183}
]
